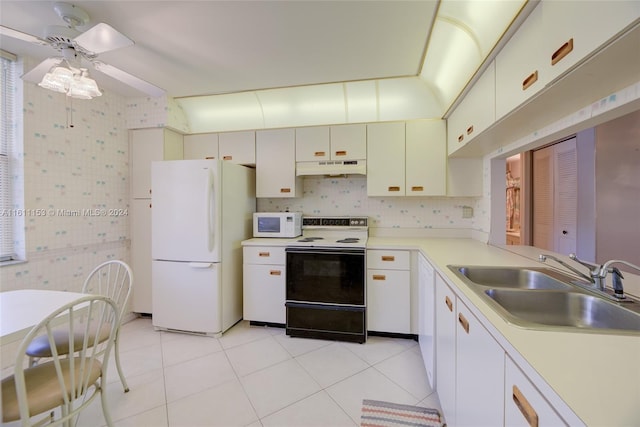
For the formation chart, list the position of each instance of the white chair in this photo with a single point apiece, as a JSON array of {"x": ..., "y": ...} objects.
[
  {"x": 66, "y": 381},
  {"x": 113, "y": 279}
]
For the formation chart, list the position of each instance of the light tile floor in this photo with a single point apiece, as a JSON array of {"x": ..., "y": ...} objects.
[{"x": 256, "y": 376}]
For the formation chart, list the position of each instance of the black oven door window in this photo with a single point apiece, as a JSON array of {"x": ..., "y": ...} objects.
[{"x": 326, "y": 276}]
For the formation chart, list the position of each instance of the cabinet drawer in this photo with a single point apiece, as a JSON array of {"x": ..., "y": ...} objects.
[
  {"x": 524, "y": 404},
  {"x": 388, "y": 260},
  {"x": 263, "y": 255}
]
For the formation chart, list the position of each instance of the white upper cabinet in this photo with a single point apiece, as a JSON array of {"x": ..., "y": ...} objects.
[
  {"x": 519, "y": 66},
  {"x": 276, "y": 164},
  {"x": 349, "y": 142},
  {"x": 475, "y": 113},
  {"x": 426, "y": 158},
  {"x": 149, "y": 145},
  {"x": 313, "y": 144},
  {"x": 386, "y": 159},
  {"x": 238, "y": 147},
  {"x": 201, "y": 146},
  {"x": 574, "y": 29}
]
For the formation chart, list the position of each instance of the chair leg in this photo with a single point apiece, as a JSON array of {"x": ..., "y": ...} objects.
[
  {"x": 117, "y": 356},
  {"x": 105, "y": 404}
]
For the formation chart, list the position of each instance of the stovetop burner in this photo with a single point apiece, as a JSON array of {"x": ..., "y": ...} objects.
[
  {"x": 310, "y": 239},
  {"x": 333, "y": 232}
]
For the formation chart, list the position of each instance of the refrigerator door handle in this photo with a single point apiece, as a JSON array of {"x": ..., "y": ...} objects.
[
  {"x": 211, "y": 217},
  {"x": 199, "y": 264}
]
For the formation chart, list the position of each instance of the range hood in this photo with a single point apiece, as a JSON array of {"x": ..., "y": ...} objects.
[{"x": 332, "y": 167}]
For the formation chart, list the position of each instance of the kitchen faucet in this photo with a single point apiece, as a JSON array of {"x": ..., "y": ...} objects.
[
  {"x": 593, "y": 269},
  {"x": 597, "y": 274}
]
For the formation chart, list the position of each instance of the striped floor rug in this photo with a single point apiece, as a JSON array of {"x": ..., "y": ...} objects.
[{"x": 386, "y": 414}]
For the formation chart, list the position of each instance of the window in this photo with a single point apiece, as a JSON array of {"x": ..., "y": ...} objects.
[{"x": 7, "y": 135}]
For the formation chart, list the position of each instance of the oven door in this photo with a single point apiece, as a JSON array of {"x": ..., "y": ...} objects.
[{"x": 326, "y": 275}]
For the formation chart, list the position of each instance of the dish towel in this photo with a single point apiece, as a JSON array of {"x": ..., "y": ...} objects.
[{"x": 376, "y": 413}]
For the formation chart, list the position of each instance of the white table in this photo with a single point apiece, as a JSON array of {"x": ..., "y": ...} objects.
[{"x": 21, "y": 310}]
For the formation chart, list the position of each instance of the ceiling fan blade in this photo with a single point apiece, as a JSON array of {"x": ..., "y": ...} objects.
[
  {"x": 10, "y": 32},
  {"x": 102, "y": 38},
  {"x": 35, "y": 75},
  {"x": 129, "y": 79}
]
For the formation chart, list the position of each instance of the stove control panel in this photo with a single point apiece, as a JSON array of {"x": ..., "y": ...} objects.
[{"x": 314, "y": 221}]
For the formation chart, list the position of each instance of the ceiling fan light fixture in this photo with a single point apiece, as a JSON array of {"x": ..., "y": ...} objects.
[{"x": 72, "y": 81}]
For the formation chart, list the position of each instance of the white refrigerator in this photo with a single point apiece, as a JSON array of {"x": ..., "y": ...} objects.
[{"x": 201, "y": 211}]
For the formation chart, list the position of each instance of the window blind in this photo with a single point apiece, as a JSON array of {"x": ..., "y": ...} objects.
[{"x": 7, "y": 90}]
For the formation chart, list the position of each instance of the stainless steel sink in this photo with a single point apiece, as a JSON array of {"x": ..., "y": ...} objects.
[
  {"x": 545, "y": 299},
  {"x": 514, "y": 277},
  {"x": 572, "y": 309}
]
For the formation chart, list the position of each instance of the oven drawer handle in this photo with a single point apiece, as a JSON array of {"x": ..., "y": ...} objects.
[
  {"x": 379, "y": 277},
  {"x": 388, "y": 258},
  {"x": 341, "y": 252},
  {"x": 275, "y": 272}
]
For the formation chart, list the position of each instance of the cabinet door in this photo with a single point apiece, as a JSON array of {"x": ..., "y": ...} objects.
[
  {"x": 389, "y": 301},
  {"x": 385, "y": 159},
  {"x": 446, "y": 325},
  {"x": 276, "y": 164},
  {"x": 238, "y": 147},
  {"x": 146, "y": 147},
  {"x": 312, "y": 144},
  {"x": 520, "y": 70},
  {"x": 141, "y": 255},
  {"x": 201, "y": 146},
  {"x": 479, "y": 373},
  {"x": 426, "y": 158},
  {"x": 464, "y": 177},
  {"x": 264, "y": 293},
  {"x": 573, "y": 30},
  {"x": 349, "y": 142},
  {"x": 426, "y": 316},
  {"x": 525, "y": 406}
]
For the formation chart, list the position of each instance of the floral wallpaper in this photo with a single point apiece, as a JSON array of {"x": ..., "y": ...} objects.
[
  {"x": 348, "y": 196},
  {"x": 75, "y": 175}
]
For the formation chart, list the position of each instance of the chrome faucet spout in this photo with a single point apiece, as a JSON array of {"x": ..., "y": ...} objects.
[
  {"x": 617, "y": 275},
  {"x": 590, "y": 279}
]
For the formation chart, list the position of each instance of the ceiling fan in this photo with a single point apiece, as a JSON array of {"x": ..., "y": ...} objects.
[{"x": 75, "y": 46}]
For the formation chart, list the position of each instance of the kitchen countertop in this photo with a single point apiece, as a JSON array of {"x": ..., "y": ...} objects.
[{"x": 596, "y": 375}]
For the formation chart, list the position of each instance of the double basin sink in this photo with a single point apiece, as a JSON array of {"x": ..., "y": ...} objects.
[{"x": 543, "y": 298}]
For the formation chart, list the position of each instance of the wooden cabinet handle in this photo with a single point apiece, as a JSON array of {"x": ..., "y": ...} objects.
[
  {"x": 285, "y": 190},
  {"x": 341, "y": 153},
  {"x": 379, "y": 277},
  {"x": 417, "y": 188},
  {"x": 264, "y": 254},
  {"x": 461, "y": 138},
  {"x": 319, "y": 154},
  {"x": 470, "y": 130},
  {"x": 388, "y": 258},
  {"x": 149, "y": 191},
  {"x": 562, "y": 51},
  {"x": 449, "y": 303},
  {"x": 525, "y": 407},
  {"x": 464, "y": 322},
  {"x": 227, "y": 157},
  {"x": 394, "y": 188},
  {"x": 149, "y": 204},
  {"x": 275, "y": 272},
  {"x": 209, "y": 158},
  {"x": 531, "y": 79}
]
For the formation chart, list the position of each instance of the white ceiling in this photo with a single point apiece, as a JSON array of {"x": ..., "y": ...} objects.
[{"x": 211, "y": 47}]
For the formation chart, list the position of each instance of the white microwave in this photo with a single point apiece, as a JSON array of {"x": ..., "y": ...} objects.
[{"x": 277, "y": 224}]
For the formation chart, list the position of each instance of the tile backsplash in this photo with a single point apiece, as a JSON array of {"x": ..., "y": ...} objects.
[{"x": 348, "y": 196}]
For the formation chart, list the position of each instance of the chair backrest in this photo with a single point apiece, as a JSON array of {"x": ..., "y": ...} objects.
[
  {"x": 62, "y": 380},
  {"x": 113, "y": 279}
]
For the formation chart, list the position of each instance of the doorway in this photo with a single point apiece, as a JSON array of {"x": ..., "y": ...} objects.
[{"x": 514, "y": 199}]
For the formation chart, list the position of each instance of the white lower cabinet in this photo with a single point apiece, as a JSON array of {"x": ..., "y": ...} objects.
[
  {"x": 389, "y": 291},
  {"x": 479, "y": 373},
  {"x": 426, "y": 316},
  {"x": 446, "y": 325},
  {"x": 264, "y": 284},
  {"x": 524, "y": 404}
]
